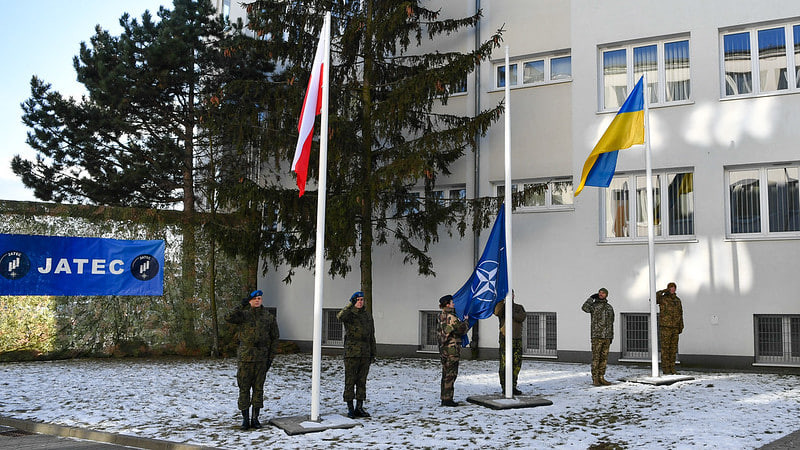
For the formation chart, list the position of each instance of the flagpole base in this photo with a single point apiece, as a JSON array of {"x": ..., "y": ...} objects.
[
  {"x": 303, "y": 424},
  {"x": 498, "y": 401},
  {"x": 664, "y": 380}
]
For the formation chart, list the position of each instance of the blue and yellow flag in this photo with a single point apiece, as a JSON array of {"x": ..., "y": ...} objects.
[{"x": 626, "y": 130}]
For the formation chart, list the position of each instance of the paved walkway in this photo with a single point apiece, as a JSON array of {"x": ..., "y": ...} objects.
[
  {"x": 25, "y": 434},
  {"x": 790, "y": 441}
]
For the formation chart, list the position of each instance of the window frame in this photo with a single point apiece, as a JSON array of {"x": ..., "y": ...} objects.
[
  {"x": 632, "y": 78},
  {"x": 517, "y": 68},
  {"x": 625, "y": 341},
  {"x": 423, "y": 345},
  {"x": 763, "y": 198},
  {"x": 326, "y": 331},
  {"x": 548, "y": 205},
  {"x": 792, "y": 67},
  {"x": 661, "y": 207},
  {"x": 547, "y": 335},
  {"x": 789, "y": 349}
]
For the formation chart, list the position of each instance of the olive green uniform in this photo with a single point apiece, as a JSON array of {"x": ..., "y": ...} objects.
[
  {"x": 670, "y": 325},
  {"x": 518, "y": 317},
  {"x": 359, "y": 350},
  {"x": 258, "y": 343}
]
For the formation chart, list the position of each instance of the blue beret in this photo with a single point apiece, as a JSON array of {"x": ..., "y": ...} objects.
[
  {"x": 356, "y": 294},
  {"x": 256, "y": 293}
]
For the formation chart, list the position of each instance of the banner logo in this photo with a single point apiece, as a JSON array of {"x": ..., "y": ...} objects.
[
  {"x": 14, "y": 265},
  {"x": 144, "y": 267},
  {"x": 483, "y": 285}
]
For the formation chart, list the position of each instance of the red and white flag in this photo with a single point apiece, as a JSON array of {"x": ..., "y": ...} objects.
[{"x": 312, "y": 105}]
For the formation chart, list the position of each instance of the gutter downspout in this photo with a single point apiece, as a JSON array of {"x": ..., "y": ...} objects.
[{"x": 476, "y": 159}]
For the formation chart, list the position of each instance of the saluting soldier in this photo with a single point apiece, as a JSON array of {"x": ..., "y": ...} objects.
[
  {"x": 258, "y": 343},
  {"x": 670, "y": 325},
  {"x": 602, "y": 333},
  {"x": 359, "y": 353}
]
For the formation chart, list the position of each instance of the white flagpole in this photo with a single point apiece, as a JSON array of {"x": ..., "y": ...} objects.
[
  {"x": 509, "y": 305},
  {"x": 650, "y": 233},
  {"x": 319, "y": 261}
]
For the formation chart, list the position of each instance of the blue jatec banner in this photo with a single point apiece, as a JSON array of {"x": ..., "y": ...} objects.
[{"x": 51, "y": 265}]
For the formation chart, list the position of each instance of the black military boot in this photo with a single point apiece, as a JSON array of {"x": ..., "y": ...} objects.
[
  {"x": 351, "y": 413},
  {"x": 254, "y": 423},
  {"x": 449, "y": 402},
  {"x": 360, "y": 409},
  {"x": 245, "y": 419}
]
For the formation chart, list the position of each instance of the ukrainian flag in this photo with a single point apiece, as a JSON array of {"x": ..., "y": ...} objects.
[{"x": 626, "y": 129}]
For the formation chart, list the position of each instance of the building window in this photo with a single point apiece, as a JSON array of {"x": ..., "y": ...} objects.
[
  {"x": 626, "y": 203},
  {"x": 539, "y": 195},
  {"x": 332, "y": 329},
  {"x": 534, "y": 71},
  {"x": 635, "y": 336},
  {"x": 540, "y": 333},
  {"x": 777, "y": 339},
  {"x": 429, "y": 331},
  {"x": 745, "y": 201},
  {"x": 760, "y": 60},
  {"x": 666, "y": 63}
]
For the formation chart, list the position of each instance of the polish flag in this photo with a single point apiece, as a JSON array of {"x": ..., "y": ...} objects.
[{"x": 312, "y": 105}]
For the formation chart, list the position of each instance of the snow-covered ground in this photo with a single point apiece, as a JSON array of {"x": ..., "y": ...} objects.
[{"x": 194, "y": 401}]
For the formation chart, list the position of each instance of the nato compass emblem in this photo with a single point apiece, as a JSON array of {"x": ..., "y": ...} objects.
[
  {"x": 14, "y": 265},
  {"x": 144, "y": 267},
  {"x": 484, "y": 285}
]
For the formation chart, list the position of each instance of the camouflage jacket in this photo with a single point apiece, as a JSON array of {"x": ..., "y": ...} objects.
[
  {"x": 258, "y": 333},
  {"x": 671, "y": 310},
  {"x": 602, "y": 317},
  {"x": 518, "y": 317},
  {"x": 359, "y": 338},
  {"x": 451, "y": 329}
]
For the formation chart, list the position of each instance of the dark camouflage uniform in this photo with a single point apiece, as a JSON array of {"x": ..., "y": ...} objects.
[
  {"x": 670, "y": 325},
  {"x": 518, "y": 317},
  {"x": 359, "y": 350},
  {"x": 258, "y": 343},
  {"x": 602, "y": 333},
  {"x": 451, "y": 329}
]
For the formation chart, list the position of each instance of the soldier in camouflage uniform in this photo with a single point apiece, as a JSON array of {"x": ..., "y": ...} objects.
[
  {"x": 518, "y": 317},
  {"x": 258, "y": 343},
  {"x": 450, "y": 332},
  {"x": 359, "y": 353},
  {"x": 602, "y": 333},
  {"x": 670, "y": 325}
]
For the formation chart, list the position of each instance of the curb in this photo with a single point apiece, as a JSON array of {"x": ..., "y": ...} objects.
[{"x": 96, "y": 436}]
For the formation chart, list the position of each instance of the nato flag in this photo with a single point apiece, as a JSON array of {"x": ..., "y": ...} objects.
[{"x": 488, "y": 283}]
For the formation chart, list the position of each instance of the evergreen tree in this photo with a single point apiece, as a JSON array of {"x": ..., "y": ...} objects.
[
  {"x": 136, "y": 138},
  {"x": 388, "y": 130}
]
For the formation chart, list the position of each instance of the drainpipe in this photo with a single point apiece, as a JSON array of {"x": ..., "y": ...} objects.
[{"x": 476, "y": 156}]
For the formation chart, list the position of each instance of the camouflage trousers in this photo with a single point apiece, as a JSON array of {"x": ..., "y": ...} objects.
[
  {"x": 599, "y": 357},
  {"x": 516, "y": 359},
  {"x": 251, "y": 376},
  {"x": 355, "y": 378},
  {"x": 449, "y": 375},
  {"x": 668, "y": 337}
]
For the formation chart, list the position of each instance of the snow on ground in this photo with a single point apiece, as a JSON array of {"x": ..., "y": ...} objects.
[{"x": 194, "y": 401}]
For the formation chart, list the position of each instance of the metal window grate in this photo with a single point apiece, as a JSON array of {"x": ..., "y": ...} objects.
[
  {"x": 333, "y": 330},
  {"x": 540, "y": 334},
  {"x": 777, "y": 339},
  {"x": 428, "y": 330},
  {"x": 636, "y": 336}
]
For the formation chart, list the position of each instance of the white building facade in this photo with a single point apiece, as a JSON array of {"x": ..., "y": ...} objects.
[{"x": 724, "y": 96}]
